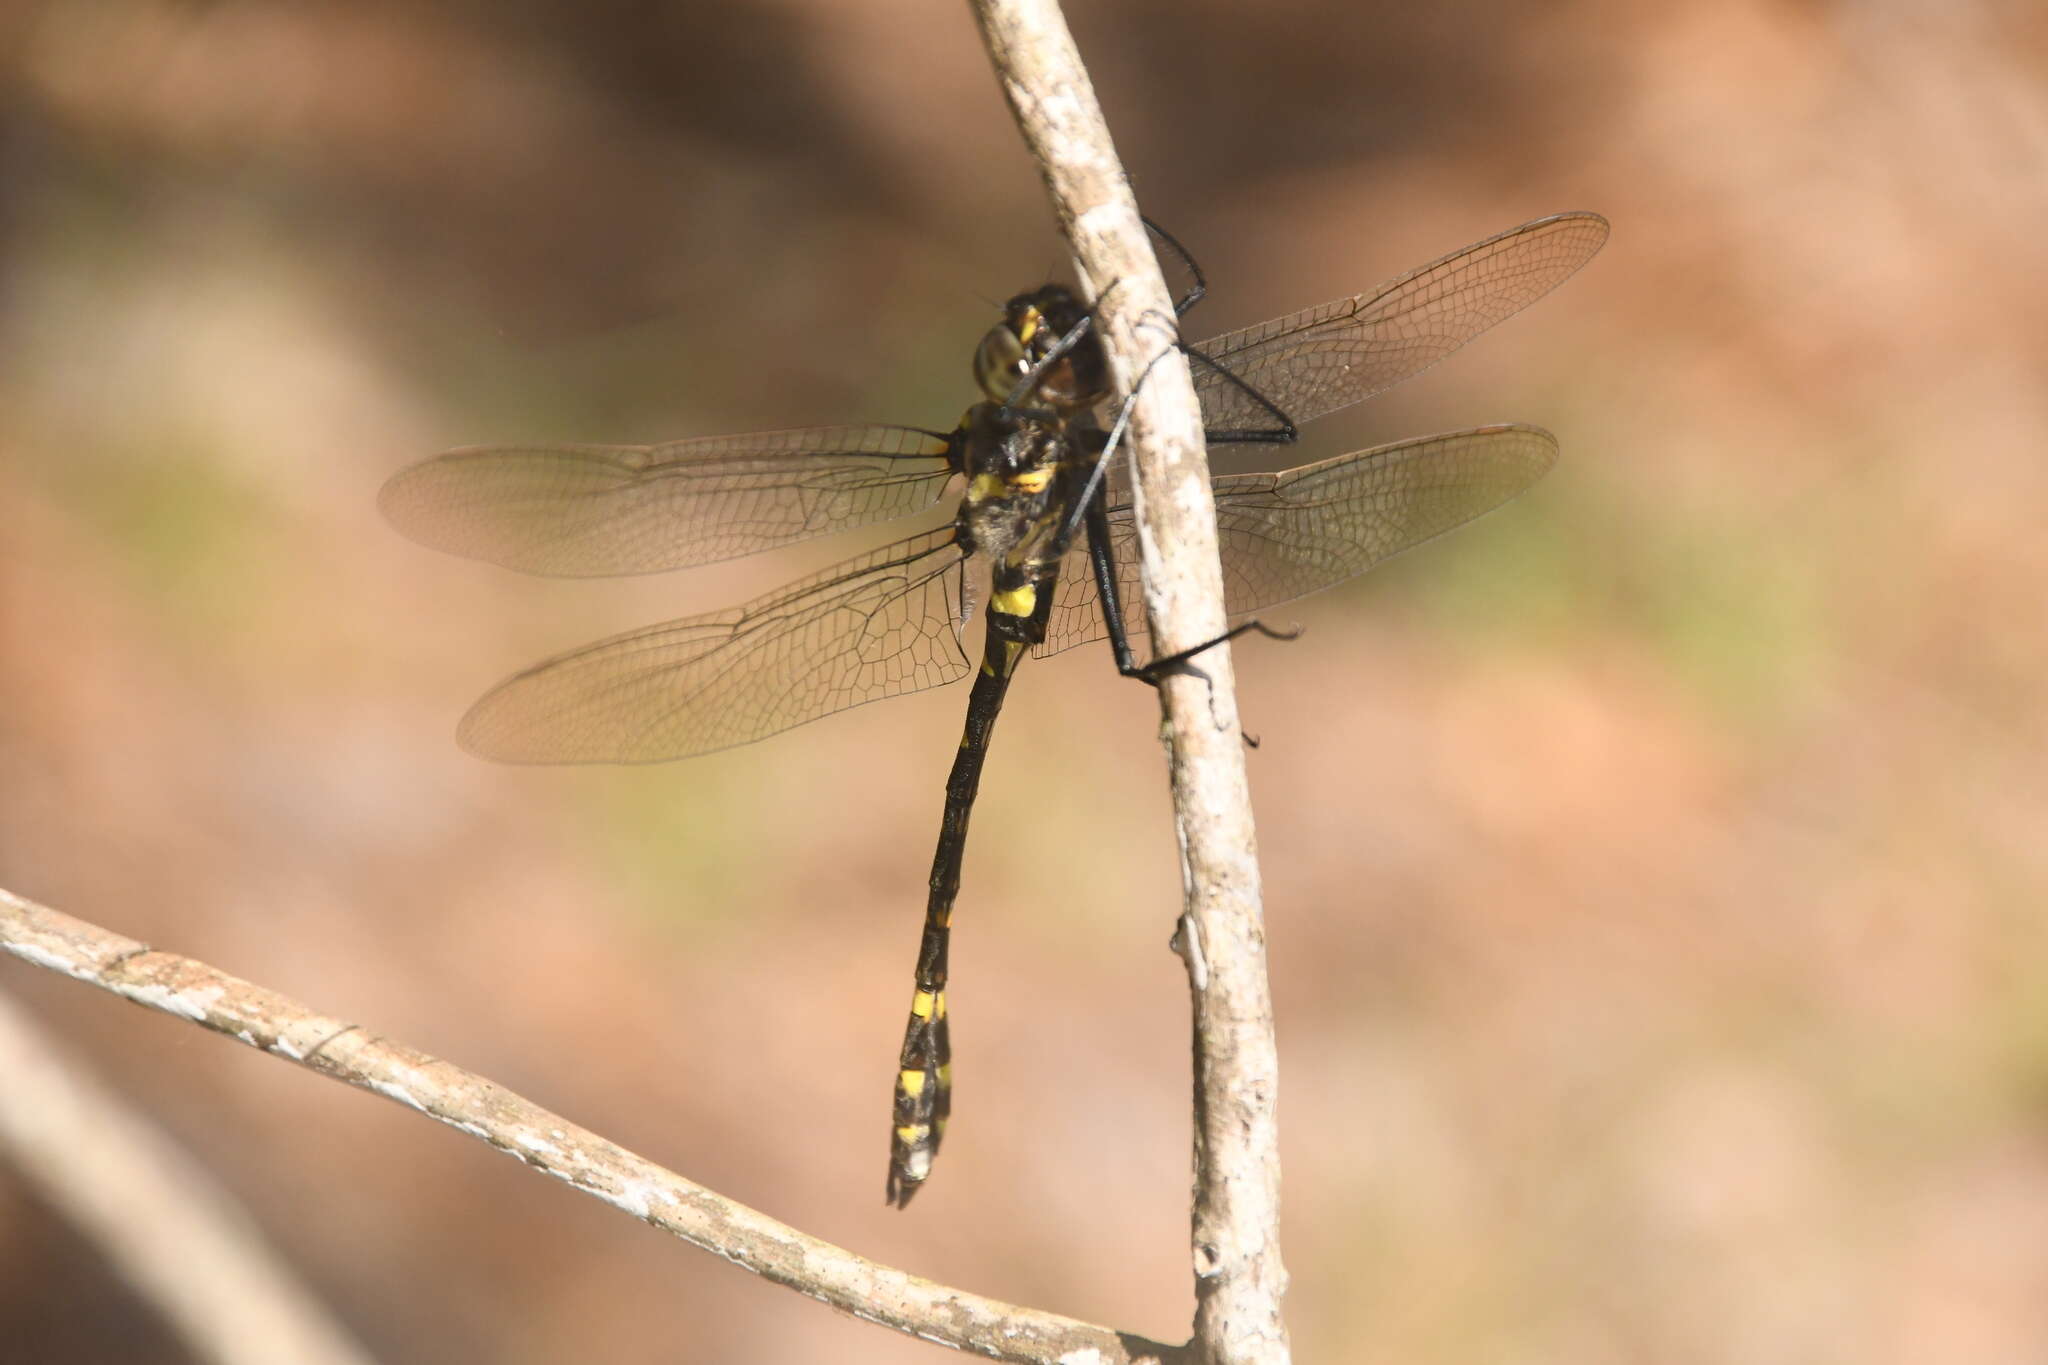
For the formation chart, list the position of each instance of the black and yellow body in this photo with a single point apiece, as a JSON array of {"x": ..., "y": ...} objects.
[
  {"x": 1025, "y": 469},
  {"x": 1030, "y": 455},
  {"x": 888, "y": 622}
]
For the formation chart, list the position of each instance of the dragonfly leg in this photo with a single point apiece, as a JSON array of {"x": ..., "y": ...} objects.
[
  {"x": 1177, "y": 662},
  {"x": 1200, "y": 287},
  {"x": 1282, "y": 433},
  {"x": 1103, "y": 564}
]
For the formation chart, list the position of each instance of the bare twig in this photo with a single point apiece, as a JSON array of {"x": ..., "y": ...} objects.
[
  {"x": 159, "y": 1217},
  {"x": 1239, "y": 1276},
  {"x": 547, "y": 1142}
]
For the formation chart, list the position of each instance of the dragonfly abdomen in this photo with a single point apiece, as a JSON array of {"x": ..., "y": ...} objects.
[{"x": 924, "y": 1069}]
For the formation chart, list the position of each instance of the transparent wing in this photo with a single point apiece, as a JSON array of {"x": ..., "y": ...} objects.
[
  {"x": 873, "y": 627},
  {"x": 1286, "y": 535},
  {"x": 1324, "y": 358},
  {"x": 588, "y": 510}
]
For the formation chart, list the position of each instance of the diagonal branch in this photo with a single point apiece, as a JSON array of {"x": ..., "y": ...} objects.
[
  {"x": 1239, "y": 1276},
  {"x": 287, "y": 1029}
]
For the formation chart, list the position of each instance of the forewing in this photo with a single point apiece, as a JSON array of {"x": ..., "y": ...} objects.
[
  {"x": 873, "y": 627},
  {"x": 1286, "y": 535},
  {"x": 1324, "y": 358},
  {"x": 588, "y": 510}
]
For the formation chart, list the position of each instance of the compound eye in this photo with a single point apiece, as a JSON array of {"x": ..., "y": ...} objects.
[{"x": 999, "y": 363}]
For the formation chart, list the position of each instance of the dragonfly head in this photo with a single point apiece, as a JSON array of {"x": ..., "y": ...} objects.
[{"x": 1036, "y": 354}]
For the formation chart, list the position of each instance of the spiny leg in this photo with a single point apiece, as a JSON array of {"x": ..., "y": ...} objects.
[{"x": 1102, "y": 564}]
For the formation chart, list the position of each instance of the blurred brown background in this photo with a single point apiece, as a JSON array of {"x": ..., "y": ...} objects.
[{"x": 1655, "y": 870}]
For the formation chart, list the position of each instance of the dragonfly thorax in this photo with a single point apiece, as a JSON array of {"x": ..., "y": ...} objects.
[{"x": 1019, "y": 472}]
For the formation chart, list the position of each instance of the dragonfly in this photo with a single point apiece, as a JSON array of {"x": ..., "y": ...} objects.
[{"x": 1026, "y": 457}]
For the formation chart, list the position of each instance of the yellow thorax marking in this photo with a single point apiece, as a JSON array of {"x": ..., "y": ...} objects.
[
  {"x": 986, "y": 488},
  {"x": 1031, "y": 480},
  {"x": 1019, "y": 601}
]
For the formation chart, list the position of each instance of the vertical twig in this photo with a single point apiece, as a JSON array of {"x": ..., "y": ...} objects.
[{"x": 1239, "y": 1279}]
